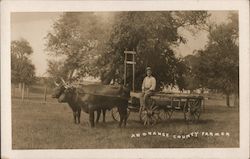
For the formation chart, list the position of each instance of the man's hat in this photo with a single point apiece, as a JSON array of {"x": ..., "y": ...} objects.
[{"x": 148, "y": 68}]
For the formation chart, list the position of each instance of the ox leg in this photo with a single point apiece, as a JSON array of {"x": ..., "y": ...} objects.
[
  {"x": 98, "y": 115},
  {"x": 121, "y": 116},
  {"x": 104, "y": 114},
  {"x": 74, "y": 114},
  {"x": 79, "y": 115},
  {"x": 76, "y": 118},
  {"x": 125, "y": 117},
  {"x": 92, "y": 118}
]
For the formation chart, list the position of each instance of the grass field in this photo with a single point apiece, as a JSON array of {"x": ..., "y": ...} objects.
[{"x": 36, "y": 125}]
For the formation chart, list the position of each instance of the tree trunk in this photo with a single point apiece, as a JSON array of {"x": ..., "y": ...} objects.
[
  {"x": 45, "y": 94},
  {"x": 228, "y": 99},
  {"x": 20, "y": 87},
  {"x": 27, "y": 90},
  {"x": 236, "y": 102},
  {"x": 23, "y": 90}
]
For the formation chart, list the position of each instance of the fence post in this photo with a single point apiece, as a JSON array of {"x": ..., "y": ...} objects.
[
  {"x": 45, "y": 94},
  {"x": 19, "y": 87},
  {"x": 23, "y": 89},
  {"x": 13, "y": 86},
  {"x": 27, "y": 90}
]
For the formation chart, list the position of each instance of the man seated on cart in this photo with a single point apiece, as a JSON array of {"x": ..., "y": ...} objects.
[{"x": 148, "y": 87}]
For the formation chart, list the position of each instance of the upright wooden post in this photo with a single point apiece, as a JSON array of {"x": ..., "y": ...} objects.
[
  {"x": 27, "y": 92},
  {"x": 14, "y": 90},
  {"x": 23, "y": 90},
  {"x": 126, "y": 61},
  {"x": 45, "y": 94},
  {"x": 133, "y": 72},
  {"x": 20, "y": 87},
  {"x": 125, "y": 69}
]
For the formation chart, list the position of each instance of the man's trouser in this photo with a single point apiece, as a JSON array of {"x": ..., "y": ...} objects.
[{"x": 144, "y": 96}]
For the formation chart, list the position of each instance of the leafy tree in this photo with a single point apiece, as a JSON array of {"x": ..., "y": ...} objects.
[
  {"x": 96, "y": 48},
  {"x": 193, "y": 78},
  {"x": 21, "y": 49},
  {"x": 22, "y": 70},
  {"x": 76, "y": 37},
  {"x": 152, "y": 35},
  {"x": 56, "y": 69},
  {"x": 218, "y": 66}
]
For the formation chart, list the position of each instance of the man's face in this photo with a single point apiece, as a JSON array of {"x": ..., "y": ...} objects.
[{"x": 149, "y": 72}]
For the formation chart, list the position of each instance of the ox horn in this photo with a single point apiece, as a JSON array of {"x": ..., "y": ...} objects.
[
  {"x": 56, "y": 83},
  {"x": 66, "y": 85},
  {"x": 63, "y": 81}
]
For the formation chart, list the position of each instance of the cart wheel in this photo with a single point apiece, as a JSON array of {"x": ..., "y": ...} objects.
[
  {"x": 115, "y": 114},
  {"x": 169, "y": 113},
  {"x": 192, "y": 110},
  {"x": 187, "y": 115},
  {"x": 150, "y": 114},
  {"x": 165, "y": 114},
  {"x": 196, "y": 110},
  {"x": 196, "y": 114}
]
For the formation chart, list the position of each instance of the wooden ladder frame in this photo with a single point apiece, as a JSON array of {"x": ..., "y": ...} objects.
[{"x": 133, "y": 53}]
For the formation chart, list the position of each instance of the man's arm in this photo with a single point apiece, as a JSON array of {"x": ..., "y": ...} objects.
[{"x": 152, "y": 88}]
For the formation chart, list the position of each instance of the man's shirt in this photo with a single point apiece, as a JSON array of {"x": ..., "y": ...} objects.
[{"x": 149, "y": 83}]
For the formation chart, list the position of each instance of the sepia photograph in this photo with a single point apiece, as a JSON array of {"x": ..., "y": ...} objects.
[{"x": 125, "y": 80}]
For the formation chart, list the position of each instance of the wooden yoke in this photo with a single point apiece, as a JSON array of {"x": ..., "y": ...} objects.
[{"x": 133, "y": 53}]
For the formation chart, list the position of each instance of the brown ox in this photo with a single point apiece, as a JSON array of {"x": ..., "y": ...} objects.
[
  {"x": 95, "y": 97},
  {"x": 75, "y": 106}
]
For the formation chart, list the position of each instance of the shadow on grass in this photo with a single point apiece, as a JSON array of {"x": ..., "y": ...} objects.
[{"x": 139, "y": 124}]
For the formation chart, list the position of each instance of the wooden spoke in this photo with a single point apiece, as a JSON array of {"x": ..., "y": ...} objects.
[
  {"x": 155, "y": 119},
  {"x": 115, "y": 114},
  {"x": 144, "y": 115},
  {"x": 193, "y": 110},
  {"x": 154, "y": 108},
  {"x": 146, "y": 120},
  {"x": 150, "y": 114},
  {"x": 162, "y": 115},
  {"x": 196, "y": 114},
  {"x": 169, "y": 113}
]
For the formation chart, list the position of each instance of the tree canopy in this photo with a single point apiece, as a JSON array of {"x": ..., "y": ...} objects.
[
  {"x": 96, "y": 48},
  {"x": 76, "y": 37},
  {"x": 22, "y": 69},
  {"x": 217, "y": 65}
]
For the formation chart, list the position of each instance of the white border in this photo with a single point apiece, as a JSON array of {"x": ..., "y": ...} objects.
[{"x": 56, "y": 6}]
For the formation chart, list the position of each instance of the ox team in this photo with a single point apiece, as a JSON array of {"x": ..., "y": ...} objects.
[{"x": 97, "y": 97}]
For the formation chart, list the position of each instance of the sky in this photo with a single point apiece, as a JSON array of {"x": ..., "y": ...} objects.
[{"x": 34, "y": 26}]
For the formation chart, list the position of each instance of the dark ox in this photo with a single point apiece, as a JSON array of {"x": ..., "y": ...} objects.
[
  {"x": 76, "y": 106},
  {"x": 95, "y": 97}
]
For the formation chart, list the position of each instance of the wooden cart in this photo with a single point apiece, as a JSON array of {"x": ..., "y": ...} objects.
[{"x": 161, "y": 106}]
